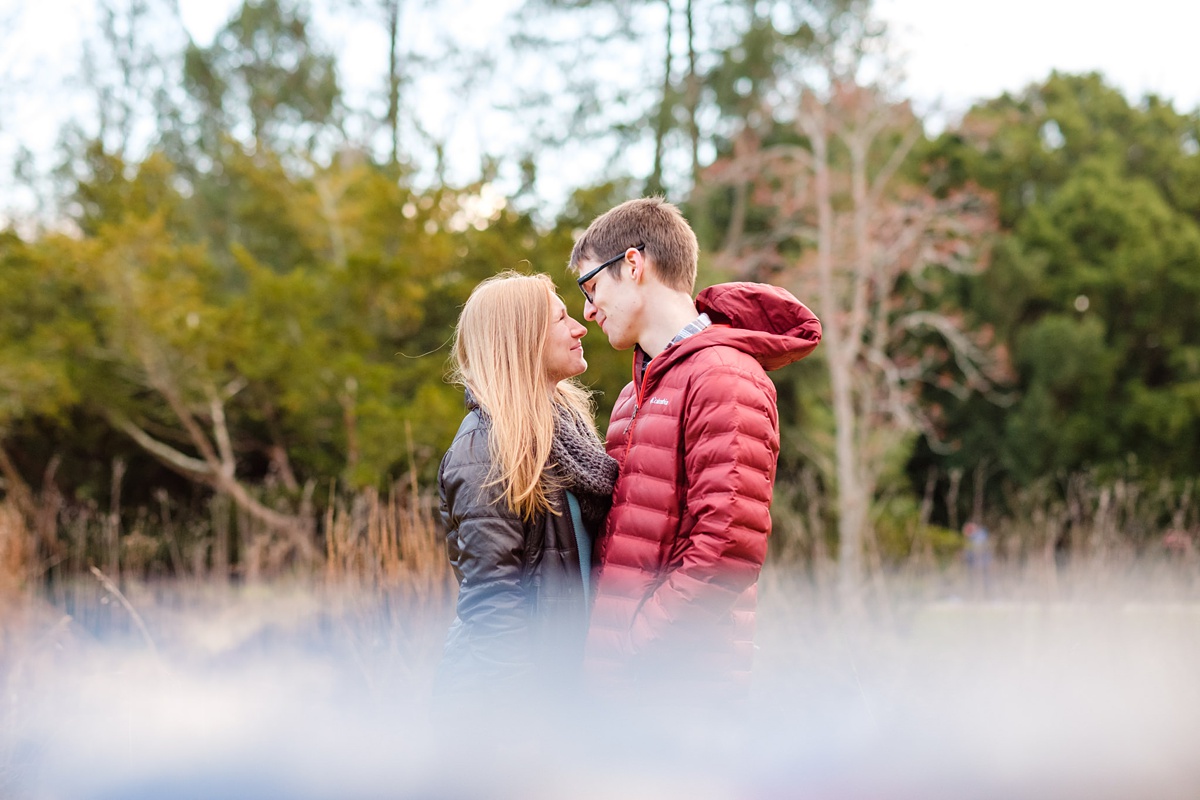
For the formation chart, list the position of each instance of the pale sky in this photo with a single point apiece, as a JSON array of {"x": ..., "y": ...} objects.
[
  {"x": 960, "y": 51},
  {"x": 955, "y": 52}
]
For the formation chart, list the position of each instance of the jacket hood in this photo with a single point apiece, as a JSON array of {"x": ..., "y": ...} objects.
[{"x": 764, "y": 321}]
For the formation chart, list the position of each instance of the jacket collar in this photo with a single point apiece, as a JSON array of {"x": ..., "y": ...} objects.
[
  {"x": 763, "y": 321},
  {"x": 471, "y": 403}
]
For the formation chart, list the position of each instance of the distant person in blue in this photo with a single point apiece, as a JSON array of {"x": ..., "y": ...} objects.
[{"x": 978, "y": 556}]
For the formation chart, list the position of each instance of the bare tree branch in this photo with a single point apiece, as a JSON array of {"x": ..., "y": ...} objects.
[
  {"x": 184, "y": 464},
  {"x": 875, "y": 242}
]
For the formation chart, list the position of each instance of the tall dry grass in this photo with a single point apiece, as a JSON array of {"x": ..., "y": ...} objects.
[
  {"x": 375, "y": 540},
  {"x": 1056, "y": 539},
  {"x": 390, "y": 541},
  {"x": 16, "y": 551}
]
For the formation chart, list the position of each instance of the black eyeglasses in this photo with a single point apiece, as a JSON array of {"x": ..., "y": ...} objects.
[{"x": 593, "y": 273}]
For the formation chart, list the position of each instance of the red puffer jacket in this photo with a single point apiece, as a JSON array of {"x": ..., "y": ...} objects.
[{"x": 697, "y": 439}]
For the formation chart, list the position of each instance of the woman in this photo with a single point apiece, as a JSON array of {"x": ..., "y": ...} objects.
[{"x": 524, "y": 486}]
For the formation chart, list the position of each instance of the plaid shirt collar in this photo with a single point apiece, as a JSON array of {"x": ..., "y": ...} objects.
[{"x": 691, "y": 329}]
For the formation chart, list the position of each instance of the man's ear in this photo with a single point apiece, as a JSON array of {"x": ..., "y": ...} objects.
[{"x": 637, "y": 264}]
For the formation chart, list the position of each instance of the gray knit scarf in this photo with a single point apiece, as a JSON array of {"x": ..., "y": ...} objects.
[{"x": 580, "y": 461}]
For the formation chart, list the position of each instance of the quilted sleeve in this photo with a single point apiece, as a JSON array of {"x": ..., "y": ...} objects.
[{"x": 487, "y": 546}]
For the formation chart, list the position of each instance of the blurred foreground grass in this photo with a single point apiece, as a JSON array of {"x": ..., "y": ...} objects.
[{"x": 1075, "y": 682}]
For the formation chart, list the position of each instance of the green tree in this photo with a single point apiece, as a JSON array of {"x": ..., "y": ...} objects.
[
  {"x": 37, "y": 340},
  {"x": 265, "y": 71},
  {"x": 1095, "y": 287}
]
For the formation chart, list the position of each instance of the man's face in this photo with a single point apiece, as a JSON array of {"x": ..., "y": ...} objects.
[{"x": 612, "y": 299}]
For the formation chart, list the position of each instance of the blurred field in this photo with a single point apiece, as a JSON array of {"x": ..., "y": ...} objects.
[{"x": 1079, "y": 686}]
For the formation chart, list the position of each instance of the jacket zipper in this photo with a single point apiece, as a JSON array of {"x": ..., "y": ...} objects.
[{"x": 637, "y": 405}]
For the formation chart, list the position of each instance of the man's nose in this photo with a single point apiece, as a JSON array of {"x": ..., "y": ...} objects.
[{"x": 589, "y": 311}]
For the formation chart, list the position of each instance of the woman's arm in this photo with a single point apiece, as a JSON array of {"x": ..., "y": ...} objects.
[{"x": 488, "y": 545}]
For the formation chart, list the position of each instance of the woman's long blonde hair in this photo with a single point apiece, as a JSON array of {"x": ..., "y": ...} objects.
[{"x": 499, "y": 355}]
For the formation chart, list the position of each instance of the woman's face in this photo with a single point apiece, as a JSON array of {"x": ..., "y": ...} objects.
[{"x": 564, "y": 350}]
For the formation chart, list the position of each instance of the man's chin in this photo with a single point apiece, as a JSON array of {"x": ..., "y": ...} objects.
[{"x": 614, "y": 342}]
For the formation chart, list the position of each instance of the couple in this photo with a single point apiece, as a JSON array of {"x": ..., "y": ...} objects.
[{"x": 640, "y": 562}]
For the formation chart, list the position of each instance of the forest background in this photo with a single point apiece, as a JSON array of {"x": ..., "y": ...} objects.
[{"x": 224, "y": 319}]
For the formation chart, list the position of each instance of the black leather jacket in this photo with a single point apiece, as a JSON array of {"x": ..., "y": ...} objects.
[{"x": 521, "y": 613}]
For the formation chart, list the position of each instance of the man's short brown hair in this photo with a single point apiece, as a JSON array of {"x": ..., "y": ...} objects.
[{"x": 670, "y": 242}]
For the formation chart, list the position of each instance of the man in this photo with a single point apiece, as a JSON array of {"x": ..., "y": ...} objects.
[{"x": 696, "y": 434}]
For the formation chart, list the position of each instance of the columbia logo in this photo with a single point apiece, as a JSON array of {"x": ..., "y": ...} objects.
[{"x": 658, "y": 401}]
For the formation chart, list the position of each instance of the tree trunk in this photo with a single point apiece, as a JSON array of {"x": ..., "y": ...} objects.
[
  {"x": 852, "y": 495},
  {"x": 392, "y": 12},
  {"x": 16, "y": 488},
  {"x": 693, "y": 93},
  {"x": 839, "y": 354},
  {"x": 654, "y": 185}
]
